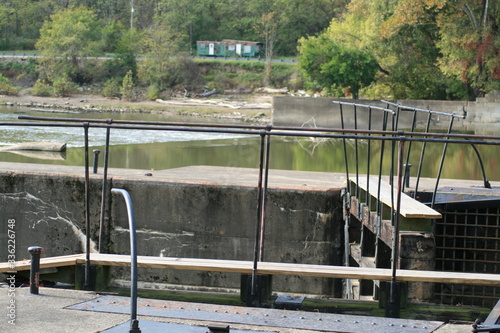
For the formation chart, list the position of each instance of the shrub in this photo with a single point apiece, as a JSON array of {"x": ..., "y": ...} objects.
[
  {"x": 41, "y": 88},
  {"x": 127, "y": 89},
  {"x": 111, "y": 88},
  {"x": 153, "y": 92},
  {"x": 6, "y": 88},
  {"x": 63, "y": 86}
]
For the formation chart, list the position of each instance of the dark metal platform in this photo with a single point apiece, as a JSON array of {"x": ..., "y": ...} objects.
[
  {"x": 323, "y": 322},
  {"x": 156, "y": 326}
]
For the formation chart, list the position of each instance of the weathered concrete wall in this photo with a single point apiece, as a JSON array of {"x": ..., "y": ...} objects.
[
  {"x": 482, "y": 116},
  {"x": 47, "y": 210},
  {"x": 180, "y": 218}
]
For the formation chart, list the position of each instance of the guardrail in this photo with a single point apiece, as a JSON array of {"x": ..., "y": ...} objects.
[{"x": 391, "y": 135}]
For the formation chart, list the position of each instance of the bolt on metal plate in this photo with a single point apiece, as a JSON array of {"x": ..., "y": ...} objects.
[{"x": 326, "y": 322}]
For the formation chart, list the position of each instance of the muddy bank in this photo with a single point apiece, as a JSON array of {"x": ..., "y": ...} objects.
[{"x": 248, "y": 108}]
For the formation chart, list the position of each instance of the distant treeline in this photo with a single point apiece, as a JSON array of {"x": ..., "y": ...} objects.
[{"x": 21, "y": 20}]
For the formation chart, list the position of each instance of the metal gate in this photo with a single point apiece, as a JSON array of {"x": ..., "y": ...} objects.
[{"x": 468, "y": 240}]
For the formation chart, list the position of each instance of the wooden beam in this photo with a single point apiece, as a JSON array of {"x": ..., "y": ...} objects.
[
  {"x": 410, "y": 208},
  {"x": 273, "y": 268},
  {"x": 24, "y": 265}
]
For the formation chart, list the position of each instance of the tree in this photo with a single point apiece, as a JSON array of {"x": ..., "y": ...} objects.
[
  {"x": 268, "y": 28},
  {"x": 67, "y": 40},
  {"x": 470, "y": 43},
  {"x": 329, "y": 65},
  {"x": 464, "y": 34},
  {"x": 160, "y": 67}
]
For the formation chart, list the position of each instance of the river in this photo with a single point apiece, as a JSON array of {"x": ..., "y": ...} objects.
[{"x": 157, "y": 150}]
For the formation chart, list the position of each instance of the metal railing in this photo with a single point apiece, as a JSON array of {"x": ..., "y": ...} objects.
[{"x": 356, "y": 134}]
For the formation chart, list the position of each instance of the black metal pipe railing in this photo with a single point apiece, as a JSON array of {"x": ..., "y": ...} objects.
[
  {"x": 104, "y": 187},
  {"x": 265, "y": 132},
  {"x": 87, "y": 208}
]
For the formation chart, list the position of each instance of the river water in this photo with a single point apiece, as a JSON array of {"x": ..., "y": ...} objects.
[{"x": 157, "y": 150}]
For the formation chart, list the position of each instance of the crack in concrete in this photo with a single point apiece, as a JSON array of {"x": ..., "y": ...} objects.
[{"x": 47, "y": 212}]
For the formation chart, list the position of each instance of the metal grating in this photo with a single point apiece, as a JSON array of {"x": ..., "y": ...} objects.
[{"x": 468, "y": 240}]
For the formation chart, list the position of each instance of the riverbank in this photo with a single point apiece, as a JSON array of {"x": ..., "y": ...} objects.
[{"x": 246, "y": 108}]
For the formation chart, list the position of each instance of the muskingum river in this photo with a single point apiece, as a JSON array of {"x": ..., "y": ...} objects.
[{"x": 158, "y": 150}]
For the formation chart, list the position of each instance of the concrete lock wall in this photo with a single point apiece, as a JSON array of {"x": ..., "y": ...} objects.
[
  {"x": 481, "y": 116},
  {"x": 175, "y": 219}
]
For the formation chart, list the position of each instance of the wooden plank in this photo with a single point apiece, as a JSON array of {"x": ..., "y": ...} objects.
[
  {"x": 410, "y": 208},
  {"x": 273, "y": 268},
  {"x": 24, "y": 265}
]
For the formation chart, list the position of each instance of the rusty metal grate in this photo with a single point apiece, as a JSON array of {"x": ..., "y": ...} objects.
[{"x": 468, "y": 240}]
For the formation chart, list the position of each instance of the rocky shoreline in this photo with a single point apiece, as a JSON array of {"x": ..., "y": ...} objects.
[{"x": 259, "y": 113}]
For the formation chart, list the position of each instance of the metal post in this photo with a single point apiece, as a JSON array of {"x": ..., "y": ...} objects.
[
  {"x": 253, "y": 288},
  {"x": 35, "y": 252},
  {"x": 394, "y": 292},
  {"x": 87, "y": 208},
  {"x": 104, "y": 187},
  {"x": 264, "y": 200},
  {"x": 407, "y": 168},
  {"x": 96, "y": 159},
  {"x": 134, "y": 323}
]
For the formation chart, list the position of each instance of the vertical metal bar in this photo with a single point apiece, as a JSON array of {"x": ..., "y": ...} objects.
[
  {"x": 87, "y": 208},
  {"x": 356, "y": 157},
  {"x": 421, "y": 161},
  {"x": 393, "y": 306},
  {"x": 368, "y": 157},
  {"x": 264, "y": 199},
  {"x": 381, "y": 165},
  {"x": 259, "y": 210},
  {"x": 379, "y": 205},
  {"x": 395, "y": 240},
  {"x": 345, "y": 147},
  {"x": 134, "y": 323},
  {"x": 441, "y": 164},
  {"x": 104, "y": 187},
  {"x": 408, "y": 152}
]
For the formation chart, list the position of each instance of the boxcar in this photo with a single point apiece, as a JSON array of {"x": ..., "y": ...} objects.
[{"x": 229, "y": 48}]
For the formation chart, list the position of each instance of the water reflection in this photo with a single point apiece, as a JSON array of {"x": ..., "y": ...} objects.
[{"x": 150, "y": 151}]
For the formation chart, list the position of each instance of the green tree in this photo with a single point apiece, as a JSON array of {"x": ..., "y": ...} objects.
[
  {"x": 160, "y": 67},
  {"x": 329, "y": 65},
  {"x": 127, "y": 89},
  {"x": 67, "y": 40},
  {"x": 470, "y": 43},
  {"x": 462, "y": 38}
]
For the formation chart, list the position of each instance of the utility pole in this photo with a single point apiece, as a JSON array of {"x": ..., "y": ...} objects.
[{"x": 131, "y": 14}]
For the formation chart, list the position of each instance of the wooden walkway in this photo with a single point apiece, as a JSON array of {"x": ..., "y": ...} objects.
[{"x": 272, "y": 268}]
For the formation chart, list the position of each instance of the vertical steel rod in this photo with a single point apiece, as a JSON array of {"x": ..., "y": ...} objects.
[
  {"x": 368, "y": 157},
  {"x": 407, "y": 170},
  {"x": 422, "y": 153},
  {"x": 104, "y": 188},
  {"x": 438, "y": 177},
  {"x": 87, "y": 207},
  {"x": 134, "y": 323},
  {"x": 356, "y": 152},
  {"x": 395, "y": 232},
  {"x": 259, "y": 210},
  {"x": 264, "y": 200},
  {"x": 345, "y": 149}
]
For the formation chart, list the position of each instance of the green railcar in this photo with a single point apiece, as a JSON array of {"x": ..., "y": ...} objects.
[{"x": 229, "y": 48}]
